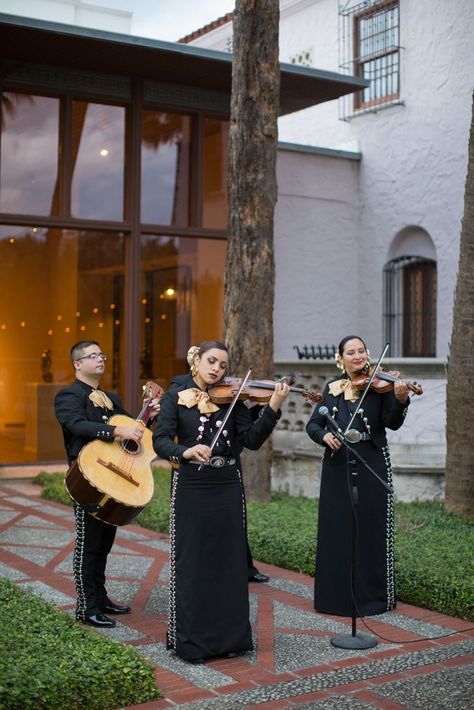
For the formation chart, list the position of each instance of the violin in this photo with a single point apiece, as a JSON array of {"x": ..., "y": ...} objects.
[
  {"x": 255, "y": 390},
  {"x": 383, "y": 381}
]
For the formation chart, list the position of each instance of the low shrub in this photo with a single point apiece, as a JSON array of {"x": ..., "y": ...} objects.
[
  {"x": 433, "y": 548},
  {"x": 48, "y": 661}
]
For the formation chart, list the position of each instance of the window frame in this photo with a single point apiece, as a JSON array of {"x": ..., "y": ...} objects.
[{"x": 375, "y": 9}]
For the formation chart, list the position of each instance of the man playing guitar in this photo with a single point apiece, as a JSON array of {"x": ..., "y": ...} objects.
[{"x": 83, "y": 411}]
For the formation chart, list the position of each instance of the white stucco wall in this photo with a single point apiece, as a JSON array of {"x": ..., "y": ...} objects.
[
  {"x": 414, "y": 160},
  {"x": 413, "y": 168},
  {"x": 316, "y": 250}
]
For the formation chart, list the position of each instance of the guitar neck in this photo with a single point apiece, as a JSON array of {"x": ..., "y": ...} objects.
[{"x": 145, "y": 415}]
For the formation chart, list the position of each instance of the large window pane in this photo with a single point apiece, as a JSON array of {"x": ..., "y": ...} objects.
[
  {"x": 98, "y": 152},
  {"x": 59, "y": 286},
  {"x": 29, "y": 150},
  {"x": 182, "y": 290},
  {"x": 216, "y": 140},
  {"x": 166, "y": 140}
]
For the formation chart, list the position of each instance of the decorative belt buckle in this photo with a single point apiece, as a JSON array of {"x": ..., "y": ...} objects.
[
  {"x": 217, "y": 461},
  {"x": 353, "y": 436}
]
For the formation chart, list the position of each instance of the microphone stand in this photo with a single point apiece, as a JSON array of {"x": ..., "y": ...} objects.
[{"x": 355, "y": 640}]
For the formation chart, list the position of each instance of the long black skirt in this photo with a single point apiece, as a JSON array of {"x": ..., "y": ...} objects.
[
  {"x": 209, "y": 602},
  {"x": 374, "y": 590}
]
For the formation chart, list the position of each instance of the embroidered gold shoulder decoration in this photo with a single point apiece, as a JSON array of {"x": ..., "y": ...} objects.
[
  {"x": 100, "y": 399},
  {"x": 189, "y": 398},
  {"x": 344, "y": 385}
]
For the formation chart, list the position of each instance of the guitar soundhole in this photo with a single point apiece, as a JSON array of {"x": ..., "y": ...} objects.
[{"x": 132, "y": 447}]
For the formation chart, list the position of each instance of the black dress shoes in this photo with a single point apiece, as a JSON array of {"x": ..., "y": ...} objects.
[
  {"x": 100, "y": 621},
  {"x": 111, "y": 608},
  {"x": 259, "y": 577}
]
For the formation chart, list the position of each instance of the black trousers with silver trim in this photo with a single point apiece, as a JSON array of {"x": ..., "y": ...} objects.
[{"x": 94, "y": 540}]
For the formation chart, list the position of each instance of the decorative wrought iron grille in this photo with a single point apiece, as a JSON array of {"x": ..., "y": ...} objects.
[
  {"x": 369, "y": 47},
  {"x": 409, "y": 317}
]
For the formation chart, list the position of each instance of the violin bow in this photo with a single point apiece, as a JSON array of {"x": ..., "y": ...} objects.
[
  {"x": 367, "y": 386},
  {"x": 227, "y": 414}
]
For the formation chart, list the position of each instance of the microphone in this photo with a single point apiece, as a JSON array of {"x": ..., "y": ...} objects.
[{"x": 324, "y": 411}]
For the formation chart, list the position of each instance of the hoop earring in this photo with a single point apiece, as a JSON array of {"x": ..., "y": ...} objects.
[{"x": 194, "y": 369}]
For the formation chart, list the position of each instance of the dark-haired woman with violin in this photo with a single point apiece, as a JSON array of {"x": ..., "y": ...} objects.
[
  {"x": 374, "y": 566},
  {"x": 209, "y": 605}
]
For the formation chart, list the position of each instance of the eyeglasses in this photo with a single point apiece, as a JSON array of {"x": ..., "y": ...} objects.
[{"x": 93, "y": 356}]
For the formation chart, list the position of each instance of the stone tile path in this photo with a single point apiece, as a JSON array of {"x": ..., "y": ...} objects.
[{"x": 294, "y": 664}]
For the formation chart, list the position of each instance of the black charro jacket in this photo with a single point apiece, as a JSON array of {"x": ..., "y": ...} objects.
[
  {"x": 80, "y": 420},
  {"x": 382, "y": 411},
  {"x": 177, "y": 426}
]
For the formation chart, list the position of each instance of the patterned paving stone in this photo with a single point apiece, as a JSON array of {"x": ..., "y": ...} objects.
[
  {"x": 35, "y": 521},
  {"x": 438, "y": 682},
  {"x": 165, "y": 573},
  {"x": 40, "y": 556},
  {"x": 158, "y": 545},
  {"x": 287, "y": 616},
  {"x": 121, "y": 591},
  {"x": 253, "y": 606},
  {"x": 40, "y": 538},
  {"x": 11, "y": 572},
  {"x": 65, "y": 566},
  {"x": 421, "y": 628},
  {"x": 337, "y": 702},
  {"x": 47, "y": 593},
  {"x": 202, "y": 676},
  {"x": 335, "y": 678},
  {"x": 130, "y": 535},
  {"x": 7, "y": 514},
  {"x": 26, "y": 502},
  {"x": 450, "y": 689},
  {"x": 122, "y": 632},
  {"x": 131, "y": 566},
  {"x": 57, "y": 512},
  {"x": 287, "y": 585},
  {"x": 297, "y": 651},
  {"x": 157, "y": 602}
]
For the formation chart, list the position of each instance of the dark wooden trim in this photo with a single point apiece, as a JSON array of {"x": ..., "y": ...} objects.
[
  {"x": 95, "y": 225},
  {"x": 196, "y": 176},
  {"x": 131, "y": 342}
]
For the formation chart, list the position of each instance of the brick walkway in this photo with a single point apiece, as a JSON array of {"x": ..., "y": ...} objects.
[{"x": 294, "y": 665}]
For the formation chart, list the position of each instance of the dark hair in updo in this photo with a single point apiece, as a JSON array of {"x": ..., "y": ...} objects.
[
  {"x": 340, "y": 347},
  {"x": 210, "y": 344}
]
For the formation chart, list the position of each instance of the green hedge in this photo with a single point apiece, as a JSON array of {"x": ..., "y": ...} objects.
[
  {"x": 434, "y": 561},
  {"x": 49, "y": 662}
]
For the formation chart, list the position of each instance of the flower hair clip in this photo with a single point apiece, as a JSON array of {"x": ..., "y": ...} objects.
[{"x": 192, "y": 352}]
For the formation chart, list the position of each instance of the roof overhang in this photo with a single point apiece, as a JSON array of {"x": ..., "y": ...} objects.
[{"x": 38, "y": 41}]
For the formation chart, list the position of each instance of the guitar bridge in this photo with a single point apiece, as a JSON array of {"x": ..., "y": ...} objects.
[{"x": 119, "y": 471}]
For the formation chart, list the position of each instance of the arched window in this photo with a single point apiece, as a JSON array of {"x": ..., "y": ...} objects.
[
  {"x": 410, "y": 294},
  {"x": 410, "y": 306}
]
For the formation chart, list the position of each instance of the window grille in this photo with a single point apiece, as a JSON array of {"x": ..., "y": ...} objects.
[
  {"x": 410, "y": 287},
  {"x": 369, "y": 47}
]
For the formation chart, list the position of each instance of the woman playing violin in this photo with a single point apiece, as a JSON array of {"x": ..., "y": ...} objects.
[
  {"x": 374, "y": 582},
  {"x": 209, "y": 606}
]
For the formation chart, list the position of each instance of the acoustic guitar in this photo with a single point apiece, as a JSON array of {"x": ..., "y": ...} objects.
[{"x": 113, "y": 480}]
